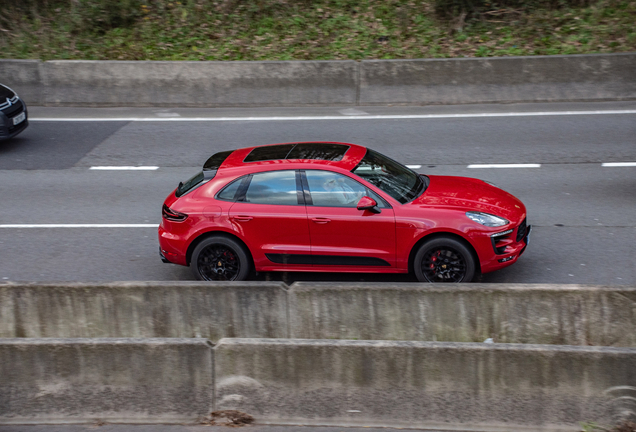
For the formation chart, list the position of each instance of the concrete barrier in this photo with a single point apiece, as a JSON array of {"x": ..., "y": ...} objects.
[
  {"x": 143, "y": 309},
  {"x": 192, "y": 83},
  {"x": 424, "y": 384},
  {"x": 538, "y": 314},
  {"x": 115, "y": 380},
  {"x": 323, "y": 83},
  {"x": 23, "y": 76},
  {"x": 545, "y": 314},
  {"x": 499, "y": 79}
]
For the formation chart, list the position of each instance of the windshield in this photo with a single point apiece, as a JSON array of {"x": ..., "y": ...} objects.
[{"x": 393, "y": 178}]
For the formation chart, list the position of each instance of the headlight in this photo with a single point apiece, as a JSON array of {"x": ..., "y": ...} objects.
[{"x": 487, "y": 219}]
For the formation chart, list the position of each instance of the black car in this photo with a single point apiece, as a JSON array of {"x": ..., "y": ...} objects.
[{"x": 13, "y": 113}]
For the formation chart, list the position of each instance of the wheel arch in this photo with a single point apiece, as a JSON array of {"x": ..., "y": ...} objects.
[
  {"x": 447, "y": 234},
  {"x": 194, "y": 243}
]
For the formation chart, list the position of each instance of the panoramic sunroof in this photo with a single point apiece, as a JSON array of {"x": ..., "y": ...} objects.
[
  {"x": 269, "y": 153},
  {"x": 317, "y": 151}
]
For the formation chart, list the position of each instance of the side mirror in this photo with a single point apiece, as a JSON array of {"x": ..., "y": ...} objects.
[{"x": 367, "y": 203}]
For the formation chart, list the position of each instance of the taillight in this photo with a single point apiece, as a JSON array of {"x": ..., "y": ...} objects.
[{"x": 173, "y": 215}]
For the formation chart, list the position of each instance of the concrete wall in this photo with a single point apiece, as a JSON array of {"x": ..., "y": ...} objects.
[
  {"x": 543, "y": 314},
  {"x": 423, "y": 384},
  {"x": 23, "y": 76},
  {"x": 306, "y": 83},
  {"x": 143, "y": 309},
  {"x": 190, "y": 83},
  {"x": 81, "y": 380},
  {"x": 460, "y": 386},
  {"x": 503, "y": 79},
  {"x": 564, "y": 314}
]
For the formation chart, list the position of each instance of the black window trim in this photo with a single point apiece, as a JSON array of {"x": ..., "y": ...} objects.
[
  {"x": 300, "y": 190},
  {"x": 305, "y": 189}
]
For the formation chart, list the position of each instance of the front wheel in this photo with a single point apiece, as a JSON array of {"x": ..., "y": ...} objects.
[
  {"x": 220, "y": 259},
  {"x": 444, "y": 259}
]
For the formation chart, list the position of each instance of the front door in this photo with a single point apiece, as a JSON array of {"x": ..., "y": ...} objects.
[{"x": 341, "y": 235}]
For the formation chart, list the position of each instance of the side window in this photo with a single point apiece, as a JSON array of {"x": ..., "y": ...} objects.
[
  {"x": 273, "y": 187},
  {"x": 329, "y": 189},
  {"x": 229, "y": 192}
]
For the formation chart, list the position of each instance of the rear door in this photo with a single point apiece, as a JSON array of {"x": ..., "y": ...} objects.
[
  {"x": 341, "y": 235},
  {"x": 270, "y": 216}
]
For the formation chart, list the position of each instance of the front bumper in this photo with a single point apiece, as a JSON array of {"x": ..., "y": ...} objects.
[
  {"x": 508, "y": 256},
  {"x": 7, "y": 128}
]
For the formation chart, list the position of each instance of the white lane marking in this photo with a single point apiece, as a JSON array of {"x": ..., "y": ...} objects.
[
  {"x": 353, "y": 112},
  {"x": 352, "y": 117},
  {"x": 167, "y": 114},
  {"x": 414, "y": 166},
  {"x": 619, "y": 164},
  {"x": 23, "y": 226},
  {"x": 124, "y": 168},
  {"x": 505, "y": 166}
]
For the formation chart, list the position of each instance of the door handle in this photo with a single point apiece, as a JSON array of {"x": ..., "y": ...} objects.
[
  {"x": 321, "y": 220},
  {"x": 242, "y": 218}
]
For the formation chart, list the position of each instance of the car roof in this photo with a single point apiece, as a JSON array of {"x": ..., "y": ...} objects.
[{"x": 342, "y": 155}]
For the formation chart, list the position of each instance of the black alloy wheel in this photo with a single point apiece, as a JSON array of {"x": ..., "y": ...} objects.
[
  {"x": 444, "y": 259},
  {"x": 220, "y": 259}
]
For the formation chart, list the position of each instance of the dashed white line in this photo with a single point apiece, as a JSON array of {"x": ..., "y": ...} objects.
[
  {"x": 472, "y": 166},
  {"x": 619, "y": 164},
  {"x": 505, "y": 166},
  {"x": 124, "y": 168},
  {"x": 24, "y": 226},
  {"x": 340, "y": 117}
]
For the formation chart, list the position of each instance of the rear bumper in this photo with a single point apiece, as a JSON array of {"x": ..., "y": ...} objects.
[
  {"x": 171, "y": 247},
  {"x": 162, "y": 256}
]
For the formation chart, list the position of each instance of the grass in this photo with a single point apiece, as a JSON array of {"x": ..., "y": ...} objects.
[{"x": 303, "y": 30}]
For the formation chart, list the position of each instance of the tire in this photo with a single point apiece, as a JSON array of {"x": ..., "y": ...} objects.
[
  {"x": 220, "y": 259},
  {"x": 444, "y": 259}
]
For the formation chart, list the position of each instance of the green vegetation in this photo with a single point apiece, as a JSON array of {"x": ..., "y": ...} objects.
[
  {"x": 311, "y": 30},
  {"x": 624, "y": 426}
]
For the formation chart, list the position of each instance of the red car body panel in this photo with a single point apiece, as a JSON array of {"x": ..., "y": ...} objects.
[
  {"x": 274, "y": 229},
  {"x": 389, "y": 237},
  {"x": 341, "y": 231}
]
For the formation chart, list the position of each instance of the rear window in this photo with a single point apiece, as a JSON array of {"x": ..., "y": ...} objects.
[{"x": 191, "y": 183}]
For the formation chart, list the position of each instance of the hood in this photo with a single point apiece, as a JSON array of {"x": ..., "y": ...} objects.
[
  {"x": 5, "y": 92},
  {"x": 471, "y": 195}
]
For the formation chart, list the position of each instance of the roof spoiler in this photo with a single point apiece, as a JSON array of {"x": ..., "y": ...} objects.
[{"x": 215, "y": 161}]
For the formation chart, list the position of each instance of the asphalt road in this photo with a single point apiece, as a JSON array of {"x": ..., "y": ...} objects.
[{"x": 583, "y": 214}]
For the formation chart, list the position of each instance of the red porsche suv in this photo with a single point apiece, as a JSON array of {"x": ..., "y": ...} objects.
[{"x": 336, "y": 207}]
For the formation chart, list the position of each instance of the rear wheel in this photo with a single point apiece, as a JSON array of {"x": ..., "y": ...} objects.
[
  {"x": 444, "y": 259},
  {"x": 220, "y": 259}
]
